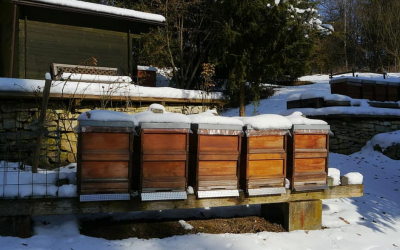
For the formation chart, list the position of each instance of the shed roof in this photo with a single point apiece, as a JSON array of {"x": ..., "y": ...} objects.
[{"x": 96, "y": 9}]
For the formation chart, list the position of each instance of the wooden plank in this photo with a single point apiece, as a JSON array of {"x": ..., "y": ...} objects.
[
  {"x": 311, "y": 154},
  {"x": 164, "y": 157},
  {"x": 267, "y": 142},
  {"x": 266, "y": 168},
  {"x": 154, "y": 169},
  {"x": 150, "y": 183},
  {"x": 310, "y": 141},
  {"x": 267, "y": 156},
  {"x": 217, "y": 168},
  {"x": 164, "y": 142},
  {"x": 105, "y": 142},
  {"x": 88, "y": 187},
  {"x": 112, "y": 169},
  {"x": 100, "y": 155},
  {"x": 219, "y": 157},
  {"x": 310, "y": 165},
  {"x": 72, "y": 205},
  {"x": 218, "y": 143},
  {"x": 270, "y": 182}
]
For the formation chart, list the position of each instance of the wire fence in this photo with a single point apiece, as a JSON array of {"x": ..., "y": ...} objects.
[{"x": 17, "y": 178}]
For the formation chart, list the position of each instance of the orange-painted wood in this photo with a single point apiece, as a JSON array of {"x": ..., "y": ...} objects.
[
  {"x": 164, "y": 157},
  {"x": 104, "y": 160},
  {"x": 263, "y": 162}
]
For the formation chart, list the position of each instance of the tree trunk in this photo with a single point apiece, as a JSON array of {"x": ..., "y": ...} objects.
[{"x": 242, "y": 107}]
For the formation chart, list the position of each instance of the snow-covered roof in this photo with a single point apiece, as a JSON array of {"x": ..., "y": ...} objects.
[
  {"x": 99, "y": 8},
  {"x": 122, "y": 90}
]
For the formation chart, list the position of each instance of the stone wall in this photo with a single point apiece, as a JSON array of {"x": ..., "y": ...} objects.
[
  {"x": 19, "y": 127},
  {"x": 351, "y": 133}
]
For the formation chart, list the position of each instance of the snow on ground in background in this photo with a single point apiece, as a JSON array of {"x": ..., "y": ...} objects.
[
  {"x": 277, "y": 103},
  {"x": 385, "y": 140},
  {"x": 297, "y": 118},
  {"x": 371, "y": 222}
]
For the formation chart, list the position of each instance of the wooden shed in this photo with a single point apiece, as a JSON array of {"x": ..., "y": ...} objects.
[{"x": 36, "y": 33}]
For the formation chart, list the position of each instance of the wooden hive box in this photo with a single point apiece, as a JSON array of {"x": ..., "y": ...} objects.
[
  {"x": 354, "y": 88},
  {"x": 164, "y": 153},
  {"x": 308, "y": 151},
  {"x": 104, "y": 160},
  {"x": 368, "y": 89},
  {"x": 214, "y": 160},
  {"x": 263, "y": 161},
  {"x": 393, "y": 89},
  {"x": 146, "y": 76},
  {"x": 381, "y": 91},
  {"x": 339, "y": 86}
]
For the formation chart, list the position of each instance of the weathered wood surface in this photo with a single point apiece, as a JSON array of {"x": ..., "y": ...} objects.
[{"x": 72, "y": 205}]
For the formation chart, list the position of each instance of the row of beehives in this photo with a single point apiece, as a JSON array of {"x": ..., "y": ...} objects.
[
  {"x": 361, "y": 88},
  {"x": 160, "y": 154}
]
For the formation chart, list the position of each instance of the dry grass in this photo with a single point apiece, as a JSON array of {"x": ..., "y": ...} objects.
[{"x": 112, "y": 230}]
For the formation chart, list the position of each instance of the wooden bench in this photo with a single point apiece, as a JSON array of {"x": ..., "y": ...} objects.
[{"x": 295, "y": 210}]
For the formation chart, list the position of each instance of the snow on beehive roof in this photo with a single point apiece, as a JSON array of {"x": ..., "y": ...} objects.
[
  {"x": 211, "y": 117},
  {"x": 157, "y": 114},
  {"x": 267, "y": 121},
  {"x": 106, "y": 115},
  {"x": 297, "y": 118},
  {"x": 101, "y": 8}
]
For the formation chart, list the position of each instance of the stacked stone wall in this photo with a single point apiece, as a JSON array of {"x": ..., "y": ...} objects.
[
  {"x": 19, "y": 127},
  {"x": 352, "y": 133}
]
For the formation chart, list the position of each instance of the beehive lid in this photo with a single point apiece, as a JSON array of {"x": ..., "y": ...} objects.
[
  {"x": 381, "y": 83},
  {"x": 298, "y": 119},
  {"x": 157, "y": 117},
  {"x": 106, "y": 118},
  {"x": 211, "y": 120},
  {"x": 367, "y": 82},
  {"x": 266, "y": 122},
  {"x": 338, "y": 80}
]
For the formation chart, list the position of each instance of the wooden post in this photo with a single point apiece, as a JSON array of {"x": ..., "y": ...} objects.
[
  {"x": 297, "y": 215},
  {"x": 16, "y": 226},
  {"x": 46, "y": 94}
]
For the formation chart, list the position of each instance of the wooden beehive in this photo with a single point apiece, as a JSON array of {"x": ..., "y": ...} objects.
[
  {"x": 146, "y": 76},
  {"x": 308, "y": 151},
  {"x": 381, "y": 91},
  {"x": 104, "y": 159},
  {"x": 214, "y": 159},
  {"x": 339, "y": 86},
  {"x": 263, "y": 162},
  {"x": 393, "y": 89},
  {"x": 368, "y": 89},
  {"x": 164, "y": 153},
  {"x": 354, "y": 88}
]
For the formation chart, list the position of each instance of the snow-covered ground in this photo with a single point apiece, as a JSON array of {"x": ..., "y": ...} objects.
[{"x": 369, "y": 222}]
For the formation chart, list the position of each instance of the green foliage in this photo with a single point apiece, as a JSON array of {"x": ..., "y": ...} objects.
[{"x": 261, "y": 41}]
